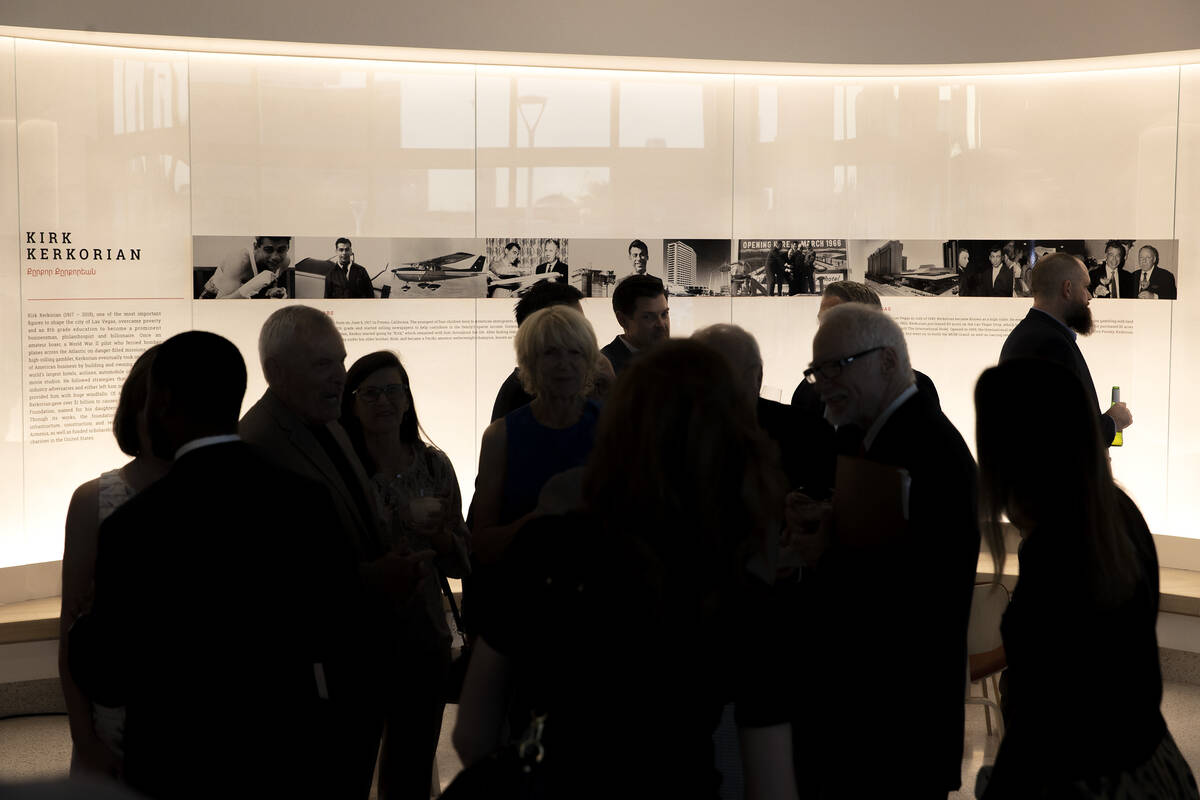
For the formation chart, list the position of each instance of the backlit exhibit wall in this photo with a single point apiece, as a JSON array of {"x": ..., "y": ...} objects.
[{"x": 162, "y": 163}]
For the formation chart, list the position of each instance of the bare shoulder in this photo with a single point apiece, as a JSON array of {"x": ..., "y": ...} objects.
[
  {"x": 495, "y": 437},
  {"x": 85, "y": 503}
]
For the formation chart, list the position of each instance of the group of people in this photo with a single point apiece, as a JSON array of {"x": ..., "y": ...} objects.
[
  {"x": 649, "y": 543},
  {"x": 796, "y": 267},
  {"x": 1009, "y": 272}
]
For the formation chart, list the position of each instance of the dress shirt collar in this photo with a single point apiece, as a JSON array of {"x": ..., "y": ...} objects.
[
  {"x": 877, "y": 426},
  {"x": 205, "y": 441}
]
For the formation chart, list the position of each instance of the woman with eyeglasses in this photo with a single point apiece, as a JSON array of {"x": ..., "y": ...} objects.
[{"x": 422, "y": 508}]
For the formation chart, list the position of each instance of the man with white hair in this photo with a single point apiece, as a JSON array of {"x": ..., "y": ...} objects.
[
  {"x": 905, "y": 592},
  {"x": 295, "y": 425}
]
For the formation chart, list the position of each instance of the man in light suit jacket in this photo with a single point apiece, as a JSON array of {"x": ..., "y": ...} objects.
[
  {"x": 222, "y": 593},
  {"x": 908, "y": 591},
  {"x": 1060, "y": 313},
  {"x": 294, "y": 423}
]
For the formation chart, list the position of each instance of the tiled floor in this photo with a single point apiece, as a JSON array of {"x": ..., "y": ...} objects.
[{"x": 40, "y": 748}]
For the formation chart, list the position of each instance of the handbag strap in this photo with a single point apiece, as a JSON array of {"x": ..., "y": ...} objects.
[{"x": 449, "y": 595}]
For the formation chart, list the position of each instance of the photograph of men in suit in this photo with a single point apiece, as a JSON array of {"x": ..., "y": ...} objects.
[
  {"x": 963, "y": 271},
  {"x": 551, "y": 262},
  {"x": 804, "y": 270},
  {"x": 776, "y": 269},
  {"x": 997, "y": 279},
  {"x": 1153, "y": 282},
  {"x": 639, "y": 256},
  {"x": 347, "y": 278},
  {"x": 1111, "y": 279},
  {"x": 254, "y": 272}
]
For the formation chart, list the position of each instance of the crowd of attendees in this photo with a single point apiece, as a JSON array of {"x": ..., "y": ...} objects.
[{"x": 254, "y": 607}]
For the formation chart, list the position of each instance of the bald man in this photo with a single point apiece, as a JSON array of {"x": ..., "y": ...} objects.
[{"x": 1060, "y": 314}]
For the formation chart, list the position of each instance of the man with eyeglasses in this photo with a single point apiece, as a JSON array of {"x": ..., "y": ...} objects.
[{"x": 903, "y": 592}]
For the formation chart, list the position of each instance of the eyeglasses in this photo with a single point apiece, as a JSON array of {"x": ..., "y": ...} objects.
[
  {"x": 831, "y": 369},
  {"x": 371, "y": 394}
]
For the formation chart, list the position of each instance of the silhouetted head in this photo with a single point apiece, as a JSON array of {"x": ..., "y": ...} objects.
[
  {"x": 840, "y": 292},
  {"x": 129, "y": 419},
  {"x": 197, "y": 382},
  {"x": 544, "y": 294},
  {"x": 740, "y": 349}
]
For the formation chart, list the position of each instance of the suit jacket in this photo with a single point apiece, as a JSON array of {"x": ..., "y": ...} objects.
[
  {"x": 618, "y": 353},
  {"x": 210, "y": 613},
  {"x": 815, "y": 471},
  {"x": 1126, "y": 283},
  {"x": 776, "y": 262},
  {"x": 558, "y": 266},
  {"x": 511, "y": 396},
  {"x": 287, "y": 440},
  {"x": 1162, "y": 283},
  {"x": 899, "y": 610},
  {"x": 1041, "y": 336},
  {"x": 354, "y": 283}
]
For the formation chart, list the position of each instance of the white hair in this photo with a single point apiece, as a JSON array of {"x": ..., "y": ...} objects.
[
  {"x": 859, "y": 327},
  {"x": 280, "y": 331}
]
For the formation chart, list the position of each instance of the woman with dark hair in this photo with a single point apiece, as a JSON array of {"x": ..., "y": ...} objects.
[
  {"x": 422, "y": 508},
  {"x": 90, "y": 505},
  {"x": 631, "y": 624},
  {"x": 1084, "y": 682}
]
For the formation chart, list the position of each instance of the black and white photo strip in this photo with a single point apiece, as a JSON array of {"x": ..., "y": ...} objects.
[
  {"x": 787, "y": 267},
  {"x": 1117, "y": 268},
  {"x": 311, "y": 267}
]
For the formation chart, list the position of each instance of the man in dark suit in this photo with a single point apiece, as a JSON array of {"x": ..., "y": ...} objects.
[
  {"x": 776, "y": 270},
  {"x": 1111, "y": 279},
  {"x": 550, "y": 248},
  {"x": 221, "y": 595},
  {"x": 1152, "y": 281},
  {"x": 294, "y": 423},
  {"x": 1060, "y": 313},
  {"x": 892, "y": 607},
  {"x": 347, "y": 278},
  {"x": 640, "y": 303},
  {"x": 822, "y": 442}
]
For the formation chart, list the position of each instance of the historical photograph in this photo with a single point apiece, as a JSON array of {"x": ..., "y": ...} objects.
[
  {"x": 696, "y": 267},
  {"x": 514, "y": 265},
  {"x": 910, "y": 268},
  {"x": 787, "y": 267},
  {"x": 601, "y": 263},
  {"x": 242, "y": 267},
  {"x": 1118, "y": 268},
  {"x": 340, "y": 267}
]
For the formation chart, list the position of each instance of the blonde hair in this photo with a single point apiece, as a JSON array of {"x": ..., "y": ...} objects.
[{"x": 556, "y": 326}]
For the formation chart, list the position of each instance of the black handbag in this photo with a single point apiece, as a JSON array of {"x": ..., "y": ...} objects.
[{"x": 457, "y": 673}]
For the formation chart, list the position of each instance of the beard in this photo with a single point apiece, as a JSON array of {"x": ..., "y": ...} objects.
[{"x": 1078, "y": 318}]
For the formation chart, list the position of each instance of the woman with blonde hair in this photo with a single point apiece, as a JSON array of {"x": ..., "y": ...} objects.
[
  {"x": 631, "y": 623},
  {"x": 556, "y": 356}
]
